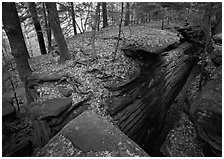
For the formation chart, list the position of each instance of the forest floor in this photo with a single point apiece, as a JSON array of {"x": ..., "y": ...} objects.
[{"x": 93, "y": 77}]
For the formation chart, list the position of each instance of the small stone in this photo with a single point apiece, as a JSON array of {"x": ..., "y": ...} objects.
[{"x": 65, "y": 92}]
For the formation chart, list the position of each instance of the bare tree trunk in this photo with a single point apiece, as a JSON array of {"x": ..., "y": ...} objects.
[
  {"x": 48, "y": 28},
  {"x": 87, "y": 17},
  {"x": 96, "y": 18},
  {"x": 168, "y": 16},
  {"x": 14, "y": 33},
  {"x": 78, "y": 27},
  {"x": 104, "y": 10},
  {"x": 132, "y": 13},
  {"x": 127, "y": 15},
  {"x": 82, "y": 25},
  {"x": 163, "y": 14},
  {"x": 119, "y": 34},
  {"x": 59, "y": 37},
  {"x": 73, "y": 17},
  {"x": 40, "y": 37}
]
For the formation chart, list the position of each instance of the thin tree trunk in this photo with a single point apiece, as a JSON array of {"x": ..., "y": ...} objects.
[
  {"x": 168, "y": 17},
  {"x": 96, "y": 18},
  {"x": 132, "y": 13},
  {"x": 19, "y": 50},
  {"x": 112, "y": 15},
  {"x": 87, "y": 17},
  {"x": 127, "y": 15},
  {"x": 119, "y": 34},
  {"x": 104, "y": 10},
  {"x": 59, "y": 37},
  {"x": 48, "y": 28},
  {"x": 73, "y": 17},
  {"x": 82, "y": 25},
  {"x": 78, "y": 27},
  {"x": 32, "y": 9},
  {"x": 163, "y": 12}
]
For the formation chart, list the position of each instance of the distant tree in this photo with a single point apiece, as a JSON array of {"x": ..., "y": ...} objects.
[
  {"x": 48, "y": 28},
  {"x": 119, "y": 33},
  {"x": 73, "y": 18},
  {"x": 95, "y": 20},
  {"x": 56, "y": 28},
  {"x": 127, "y": 15},
  {"x": 87, "y": 15},
  {"x": 163, "y": 18},
  {"x": 11, "y": 25},
  {"x": 32, "y": 9},
  {"x": 104, "y": 10},
  {"x": 98, "y": 17}
]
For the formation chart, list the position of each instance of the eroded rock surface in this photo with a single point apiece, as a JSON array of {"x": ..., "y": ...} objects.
[
  {"x": 207, "y": 113},
  {"x": 90, "y": 135},
  {"x": 154, "y": 42},
  {"x": 51, "y": 108},
  {"x": 8, "y": 110}
]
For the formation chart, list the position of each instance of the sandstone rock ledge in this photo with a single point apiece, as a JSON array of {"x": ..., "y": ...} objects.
[{"x": 90, "y": 135}]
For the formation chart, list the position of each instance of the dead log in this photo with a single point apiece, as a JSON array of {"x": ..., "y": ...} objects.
[{"x": 141, "y": 106}]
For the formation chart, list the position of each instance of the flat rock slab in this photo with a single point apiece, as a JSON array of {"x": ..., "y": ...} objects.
[
  {"x": 153, "y": 41},
  {"x": 90, "y": 135},
  {"x": 50, "y": 108}
]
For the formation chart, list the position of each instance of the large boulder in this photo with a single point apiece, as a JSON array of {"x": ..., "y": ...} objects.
[
  {"x": 182, "y": 140},
  {"x": 206, "y": 111},
  {"x": 50, "y": 108},
  {"x": 41, "y": 113},
  {"x": 149, "y": 42},
  {"x": 90, "y": 135}
]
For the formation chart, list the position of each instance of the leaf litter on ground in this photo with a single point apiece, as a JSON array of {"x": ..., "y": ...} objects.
[{"x": 80, "y": 48}]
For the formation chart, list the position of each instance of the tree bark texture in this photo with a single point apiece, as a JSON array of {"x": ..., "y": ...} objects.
[
  {"x": 56, "y": 28},
  {"x": 104, "y": 11},
  {"x": 127, "y": 15},
  {"x": 96, "y": 19},
  {"x": 40, "y": 37},
  {"x": 140, "y": 106},
  {"x": 73, "y": 18},
  {"x": 11, "y": 24}
]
